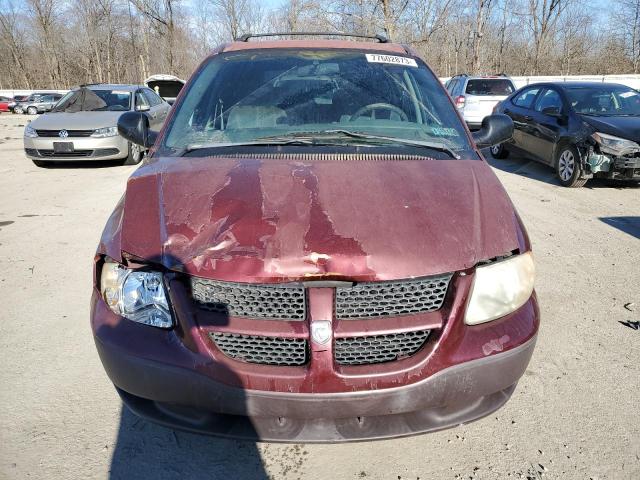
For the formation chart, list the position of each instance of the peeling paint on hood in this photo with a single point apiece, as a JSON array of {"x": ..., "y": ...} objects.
[{"x": 250, "y": 220}]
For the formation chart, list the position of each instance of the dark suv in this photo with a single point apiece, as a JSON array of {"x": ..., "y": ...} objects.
[{"x": 315, "y": 250}]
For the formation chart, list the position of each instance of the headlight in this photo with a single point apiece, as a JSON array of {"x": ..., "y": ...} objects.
[
  {"x": 500, "y": 288},
  {"x": 615, "y": 145},
  {"x": 105, "y": 132},
  {"x": 136, "y": 295},
  {"x": 30, "y": 132}
]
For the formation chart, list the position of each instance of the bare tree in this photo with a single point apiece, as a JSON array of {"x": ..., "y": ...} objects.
[
  {"x": 237, "y": 16},
  {"x": 44, "y": 16},
  {"x": 14, "y": 40},
  {"x": 543, "y": 17}
]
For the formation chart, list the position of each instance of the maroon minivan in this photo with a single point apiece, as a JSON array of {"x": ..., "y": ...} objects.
[{"x": 314, "y": 250}]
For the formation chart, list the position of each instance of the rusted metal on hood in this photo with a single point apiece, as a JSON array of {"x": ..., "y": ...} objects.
[{"x": 249, "y": 220}]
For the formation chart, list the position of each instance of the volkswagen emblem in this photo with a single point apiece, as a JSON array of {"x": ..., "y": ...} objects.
[
  {"x": 321, "y": 331},
  {"x": 63, "y": 134}
]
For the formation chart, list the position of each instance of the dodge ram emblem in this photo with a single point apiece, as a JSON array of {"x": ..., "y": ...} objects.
[
  {"x": 321, "y": 331},
  {"x": 63, "y": 134}
]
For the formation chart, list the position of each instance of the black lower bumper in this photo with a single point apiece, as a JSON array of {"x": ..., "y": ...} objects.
[{"x": 188, "y": 400}]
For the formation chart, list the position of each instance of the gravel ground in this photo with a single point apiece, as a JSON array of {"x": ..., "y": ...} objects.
[{"x": 574, "y": 415}]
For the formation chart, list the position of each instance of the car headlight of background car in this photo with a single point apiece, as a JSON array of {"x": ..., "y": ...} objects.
[
  {"x": 500, "y": 288},
  {"x": 30, "y": 132},
  {"x": 138, "y": 295},
  {"x": 105, "y": 132},
  {"x": 615, "y": 145}
]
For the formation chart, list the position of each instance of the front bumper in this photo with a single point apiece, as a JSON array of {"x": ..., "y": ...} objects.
[
  {"x": 85, "y": 148},
  {"x": 190, "y": 401},
  {"x": 179, "y": 379}
]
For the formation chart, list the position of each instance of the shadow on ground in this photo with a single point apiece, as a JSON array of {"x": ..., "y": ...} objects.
[
  {"x": 146, "y": 451},
  {"x": 630, "y": 225},
  {"x": 82, "y": 164},
  {"x": 544, "y": 173}
]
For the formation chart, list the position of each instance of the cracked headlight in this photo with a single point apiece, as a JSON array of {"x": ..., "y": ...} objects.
[
  {"x": 30, "y": 132},
  {"x": 500, "y": 288},
  {"x": 615, "y": 145},
  {"x": 105, "y": 132},
  {"x": 138, "y": 295}
]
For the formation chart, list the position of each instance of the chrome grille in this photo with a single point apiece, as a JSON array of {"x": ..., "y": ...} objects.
[
  {"x": 71, "y": 133},
  {"x": 383, "y": 299},
  {"x": 282, "y": 302},
  {"x": 263, "y": 350},
  {"x": 378, "y": 348}
]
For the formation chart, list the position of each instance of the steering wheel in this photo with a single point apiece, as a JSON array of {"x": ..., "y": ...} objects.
[{"x": 379, "y": 106}]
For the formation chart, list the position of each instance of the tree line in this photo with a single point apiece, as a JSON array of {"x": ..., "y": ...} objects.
[{"x": 62, "y": 43}]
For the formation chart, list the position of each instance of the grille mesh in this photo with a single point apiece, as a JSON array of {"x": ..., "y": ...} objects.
[
  {"x": 263, "y": 350},
  {"x": 283, "y": 302},
  {"x": 381, "y": 299},
  {"x": 378, "y": 348},
  {"x": 71, "y": 133}
]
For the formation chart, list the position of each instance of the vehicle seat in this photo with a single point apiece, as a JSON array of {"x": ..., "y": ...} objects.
[{"x": 253, "y": 116}]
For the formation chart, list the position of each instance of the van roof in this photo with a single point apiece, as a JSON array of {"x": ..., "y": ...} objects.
[{"x": 319, "y": 44}]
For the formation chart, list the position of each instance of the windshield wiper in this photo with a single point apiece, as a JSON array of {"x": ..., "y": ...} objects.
[
  {"x": 438, "y": 146},
  {"x": 260, "y": 142}
]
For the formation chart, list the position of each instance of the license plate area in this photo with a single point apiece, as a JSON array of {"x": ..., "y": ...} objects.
[{"x": 63, "y": 147}]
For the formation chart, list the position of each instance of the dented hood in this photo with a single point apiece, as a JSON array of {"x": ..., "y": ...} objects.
[
  {"x": 250, "y": 220},
  {"x": 619, "y": 126}
]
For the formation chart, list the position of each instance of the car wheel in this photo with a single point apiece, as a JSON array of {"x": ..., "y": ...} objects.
[
  {"x": 568, "y": 167},
  {"x": 135, "y": 154},
  {"x": 32, "y": 110},
  {"x": 499, "y": 151},
  {"x": 17, "y": 110}
]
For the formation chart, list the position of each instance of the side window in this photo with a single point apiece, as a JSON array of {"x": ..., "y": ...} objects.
[
  {"x": 548, "y": 98},
  {"x": 525, "y": 98},
  {"x": 140, "y": 99},
  {"x": 451, "y": 86},
  {"x": 151, "y": 97}
]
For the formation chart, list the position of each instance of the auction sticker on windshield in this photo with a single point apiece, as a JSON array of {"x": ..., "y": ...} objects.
[{"x": 392, "y": 59}]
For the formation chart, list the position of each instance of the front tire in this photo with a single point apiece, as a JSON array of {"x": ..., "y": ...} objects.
[
  {"x": 499, "y": 151},
  {"x": 568, "y": 167},
  {"x": 135, "y": 154},
  {"x": 32, "y": 110}
]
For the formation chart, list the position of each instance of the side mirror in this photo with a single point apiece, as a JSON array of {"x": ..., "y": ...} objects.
[
  {"x": 552, "y": 112},
  {"x": 495, "y": 129},
  {"x": 142, "y": 108},
  {"x": 134, "y": 126}
]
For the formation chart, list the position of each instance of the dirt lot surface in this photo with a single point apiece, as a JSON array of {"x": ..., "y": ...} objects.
[{"x": 574, "y": 415}]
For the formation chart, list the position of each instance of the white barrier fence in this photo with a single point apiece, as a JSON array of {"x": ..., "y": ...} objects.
[
  {"x": 12, "y": 93},
  {"x": 630, "y": 80}
]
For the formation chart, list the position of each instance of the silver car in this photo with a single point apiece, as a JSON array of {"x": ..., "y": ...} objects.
[
  {"x": 83, "y": 125},
  {"x": 476, "y": 97},
  {"x": 37, "y": 103}
]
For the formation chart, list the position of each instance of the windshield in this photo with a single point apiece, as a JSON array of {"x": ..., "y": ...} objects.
[
  {"x": 90, "y": 100},
  {"x": 490, "y": 86},
  {"x": 604, "y": 100},
  {"x": 247, "y": 96}
]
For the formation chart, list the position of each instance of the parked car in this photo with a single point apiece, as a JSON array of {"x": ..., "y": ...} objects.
[
  {"x": 37, "y": 103},
  {"x": 4, "y": 103},
  {"x": 16, "y": 99},
  {"x": 581, "y": 129},
  {"x": 475, "y": 97},
  {"x": 83, "y": 125},
  {"x": 167, "y": 86},
  {"x": 314, "y": 251}
]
